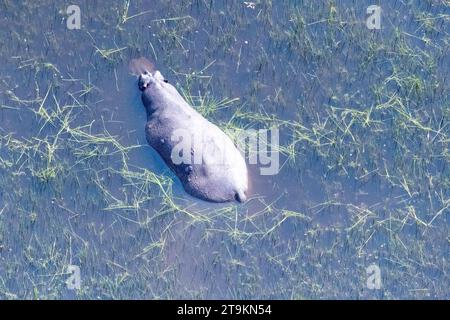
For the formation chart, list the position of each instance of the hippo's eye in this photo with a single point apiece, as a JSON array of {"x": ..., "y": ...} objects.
[{"x": 166, "y": 81}]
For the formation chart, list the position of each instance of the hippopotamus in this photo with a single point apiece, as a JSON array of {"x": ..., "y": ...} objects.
[{"x": 202, "y": 156}]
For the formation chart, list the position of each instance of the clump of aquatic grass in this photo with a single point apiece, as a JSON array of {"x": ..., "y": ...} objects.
[{"x": 124, "y": 16}]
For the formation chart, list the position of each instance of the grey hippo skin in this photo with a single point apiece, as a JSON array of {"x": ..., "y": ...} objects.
[{"x": 214, "y": 170}]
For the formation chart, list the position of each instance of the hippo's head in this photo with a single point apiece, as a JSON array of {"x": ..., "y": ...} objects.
[
  {"x": 157, "y": 92},
  {"x": 147, "y": 79}
]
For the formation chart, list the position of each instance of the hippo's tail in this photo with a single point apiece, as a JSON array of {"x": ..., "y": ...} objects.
[
  {"x": 141, "y": 65},
  {"x": 240, "y": 196}
]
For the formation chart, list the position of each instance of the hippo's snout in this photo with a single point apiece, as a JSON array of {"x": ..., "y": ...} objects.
[
  {"x": 147, "y": 78},
  {"x": 144, "y": 80}
]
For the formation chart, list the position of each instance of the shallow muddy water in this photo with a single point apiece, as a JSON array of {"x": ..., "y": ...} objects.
[{"x": 363, "y": 117}]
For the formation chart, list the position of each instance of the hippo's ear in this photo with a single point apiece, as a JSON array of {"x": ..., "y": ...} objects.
[{"x": 158, "y": 76}]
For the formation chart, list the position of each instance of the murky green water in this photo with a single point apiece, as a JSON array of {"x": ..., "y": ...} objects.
[{"x": 364, "y": 131}]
